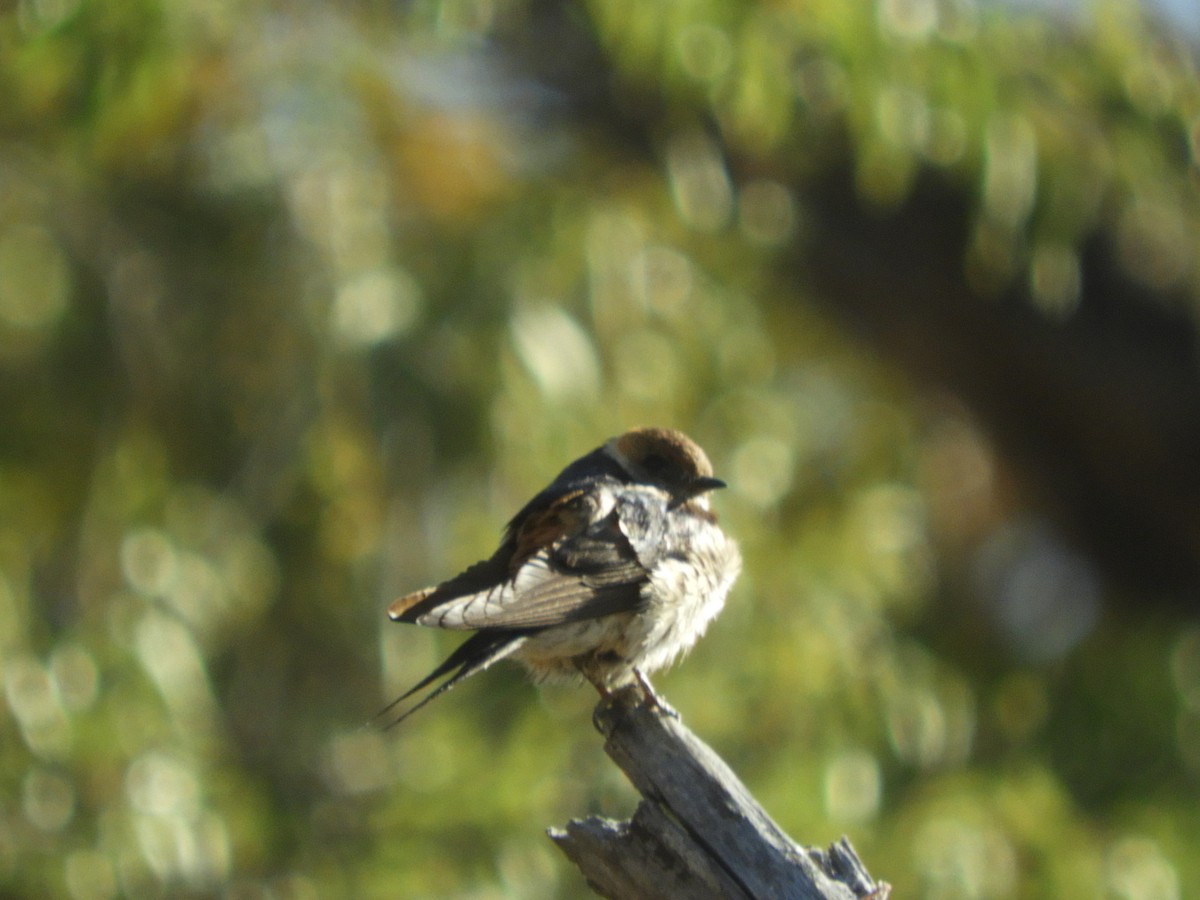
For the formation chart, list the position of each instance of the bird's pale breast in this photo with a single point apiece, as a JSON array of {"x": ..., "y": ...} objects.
[{"x": 685, "y": 590}]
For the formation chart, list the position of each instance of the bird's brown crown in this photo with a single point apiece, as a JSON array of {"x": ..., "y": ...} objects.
[{"x": 660, "y": 455}]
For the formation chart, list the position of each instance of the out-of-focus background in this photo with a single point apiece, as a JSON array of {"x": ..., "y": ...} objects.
[{"x": 299, "y": 302}]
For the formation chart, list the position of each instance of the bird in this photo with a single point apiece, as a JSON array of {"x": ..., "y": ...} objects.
[{"x": 612, "y": 571}]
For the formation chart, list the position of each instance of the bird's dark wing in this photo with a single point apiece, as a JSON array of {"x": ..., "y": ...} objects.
[
  {"x": 581, "y": 475},
  {"x": 480, "y": 577},
  {"x": 533, "y": 530},
  {"x": 574, "y": 562}
]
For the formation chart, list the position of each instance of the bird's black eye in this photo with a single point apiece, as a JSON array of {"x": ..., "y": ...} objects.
[{"x": 655, "y": 464}]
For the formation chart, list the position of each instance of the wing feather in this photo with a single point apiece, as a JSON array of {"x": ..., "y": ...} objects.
[
  {"x": 584, "y": 556},
  {"x": 479, "y": 577}
]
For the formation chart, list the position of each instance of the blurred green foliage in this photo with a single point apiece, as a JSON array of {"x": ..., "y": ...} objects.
[{"x": 299, "y": 304}]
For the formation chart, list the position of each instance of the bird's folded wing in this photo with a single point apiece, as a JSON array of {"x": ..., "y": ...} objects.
[
  {"x": 543, "y": 524},
  {"x": 577, "y": 558},
  {"x": 479, "y": 577},
  {"x": 556, "y": 600},
  {"x": 583, "y": 577}
]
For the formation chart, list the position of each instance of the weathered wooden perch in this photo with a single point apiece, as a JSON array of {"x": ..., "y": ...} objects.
[{"x": 698, "y": 833}]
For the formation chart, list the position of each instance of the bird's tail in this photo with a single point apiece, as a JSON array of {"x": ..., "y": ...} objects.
[{"x": 474, "y": 655}]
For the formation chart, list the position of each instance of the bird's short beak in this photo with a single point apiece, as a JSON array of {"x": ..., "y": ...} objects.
[
  {"x": 704, "y": 485},
  {"x": 695, "y": 488}
]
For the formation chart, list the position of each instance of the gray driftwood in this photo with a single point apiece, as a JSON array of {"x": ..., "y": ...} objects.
[{"x": 698, "y": 833}]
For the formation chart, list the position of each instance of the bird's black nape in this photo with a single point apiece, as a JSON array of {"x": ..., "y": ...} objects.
[{"x": 474, "y": 655}]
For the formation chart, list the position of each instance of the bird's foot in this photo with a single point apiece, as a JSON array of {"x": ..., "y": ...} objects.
[
  {"x": 651, "y": 699},
  {"x": 608, "y": 701}
]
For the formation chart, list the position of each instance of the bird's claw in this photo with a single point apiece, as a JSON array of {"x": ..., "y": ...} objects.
[{"x": 651, "y": 699}]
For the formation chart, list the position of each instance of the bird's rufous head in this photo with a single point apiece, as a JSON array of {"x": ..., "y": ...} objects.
[{"x": 666, "y": 458}]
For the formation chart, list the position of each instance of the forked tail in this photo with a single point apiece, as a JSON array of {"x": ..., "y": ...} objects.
[{"x": 474, "y": 655}]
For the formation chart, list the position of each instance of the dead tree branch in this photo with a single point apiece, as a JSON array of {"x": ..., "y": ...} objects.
[{"x": 698, "y": 833}]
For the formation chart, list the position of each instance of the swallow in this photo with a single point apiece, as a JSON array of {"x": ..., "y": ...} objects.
[{"x": 611, "y": 572}]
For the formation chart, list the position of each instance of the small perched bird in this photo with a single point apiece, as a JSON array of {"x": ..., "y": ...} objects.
[{"x": 612, "y": 571}]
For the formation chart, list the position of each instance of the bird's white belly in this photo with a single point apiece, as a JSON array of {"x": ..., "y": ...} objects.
[{"x": 681, "y": 598}]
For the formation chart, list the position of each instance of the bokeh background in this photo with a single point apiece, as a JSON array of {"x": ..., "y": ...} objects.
[{"x": 299, "y": 302}]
